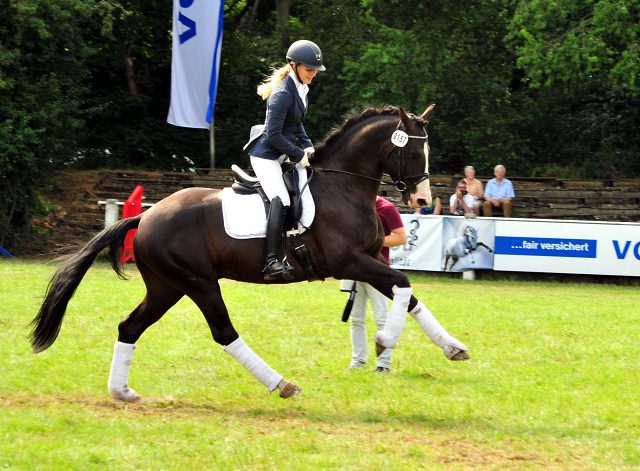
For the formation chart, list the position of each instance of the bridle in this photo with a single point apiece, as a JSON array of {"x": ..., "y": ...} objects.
[{"x": 399, "y": 139}]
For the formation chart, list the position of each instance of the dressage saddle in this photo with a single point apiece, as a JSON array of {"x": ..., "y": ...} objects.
[{"x": 247, "y": 185}]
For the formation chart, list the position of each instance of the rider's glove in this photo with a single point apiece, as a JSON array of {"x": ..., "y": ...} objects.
[{"x": 308, "y": 152}]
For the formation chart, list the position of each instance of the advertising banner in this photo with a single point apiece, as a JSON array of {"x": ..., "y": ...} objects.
[
  {"x": 423, "y": 250},
  {"x": 439, "y": 243},
  {"x": 468, "y": 244},
  {"x": 578, "y": 247}
]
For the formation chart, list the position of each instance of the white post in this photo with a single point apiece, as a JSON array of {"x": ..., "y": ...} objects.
[
  {"x": 469, "y": 275},
  {"x": 111, "y": 213}
]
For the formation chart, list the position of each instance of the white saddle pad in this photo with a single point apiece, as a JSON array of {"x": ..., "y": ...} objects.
[{"x": 244, "y": 216}]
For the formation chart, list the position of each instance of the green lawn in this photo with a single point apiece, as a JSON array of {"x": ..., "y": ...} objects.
[{"x": 551, "y": 384}]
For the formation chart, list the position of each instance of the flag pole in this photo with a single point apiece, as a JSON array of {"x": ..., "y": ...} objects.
[{"x": 212, "y": 147}]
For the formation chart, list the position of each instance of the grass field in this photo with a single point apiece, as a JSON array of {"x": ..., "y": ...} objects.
[{"x": 552, "y": 382}]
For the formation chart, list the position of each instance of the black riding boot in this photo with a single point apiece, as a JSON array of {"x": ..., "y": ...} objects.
[{"x": 275, "y": 224}]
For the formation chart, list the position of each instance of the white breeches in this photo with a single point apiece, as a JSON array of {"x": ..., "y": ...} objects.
[
  {"x": 269, "y": 173},
  {"x": 119, "y": 374},
  {"x": 241, "y": 352},
  {"x": 379, "y": 303}
]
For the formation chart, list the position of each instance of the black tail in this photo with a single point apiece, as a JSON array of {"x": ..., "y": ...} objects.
[{"x": 66, "y": 279}]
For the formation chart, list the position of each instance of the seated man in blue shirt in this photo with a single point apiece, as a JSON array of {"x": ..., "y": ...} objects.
[{"x": 498, "y": 193}]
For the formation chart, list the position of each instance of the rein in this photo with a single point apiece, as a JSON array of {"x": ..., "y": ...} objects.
[{"x": 399, "y": 184}]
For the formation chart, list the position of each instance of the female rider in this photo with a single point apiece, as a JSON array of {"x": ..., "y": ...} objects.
[{"x": 273, "y": 142}]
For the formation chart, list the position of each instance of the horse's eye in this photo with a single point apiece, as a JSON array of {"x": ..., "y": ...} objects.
[{"x": 414, "y": 155}]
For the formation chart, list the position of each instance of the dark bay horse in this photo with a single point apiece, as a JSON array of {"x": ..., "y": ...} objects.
[{"x": 181, "y": 247}]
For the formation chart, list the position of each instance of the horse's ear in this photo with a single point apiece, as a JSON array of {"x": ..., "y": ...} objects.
[
  {"x": 426, "y": 116},
  {"x": 404, "y": 118}
]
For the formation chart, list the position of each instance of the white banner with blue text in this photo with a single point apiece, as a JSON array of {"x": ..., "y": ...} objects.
[
  {"x": 579, "y": 247},
  {"x": 197, "y": 42},
  {"x": 453, "y": 243}
]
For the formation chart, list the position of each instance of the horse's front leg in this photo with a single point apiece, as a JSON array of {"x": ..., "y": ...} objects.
[
  {"x": 486, "y": 247},
  {"x": 395, "y": 285}
]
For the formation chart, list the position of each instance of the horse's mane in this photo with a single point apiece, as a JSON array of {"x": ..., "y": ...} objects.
[{"x": 351, "y": 120}]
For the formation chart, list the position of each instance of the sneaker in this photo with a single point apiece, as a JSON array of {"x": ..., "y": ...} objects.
[
  {"x": 383, "y": 370},
  {"x": 357, "y": 366}
]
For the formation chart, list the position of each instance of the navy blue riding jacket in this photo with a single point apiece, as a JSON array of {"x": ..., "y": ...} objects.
[{"x": 283, "y": 124}]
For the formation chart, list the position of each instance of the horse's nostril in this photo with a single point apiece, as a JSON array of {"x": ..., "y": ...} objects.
[{"x": 422, "y": 202}]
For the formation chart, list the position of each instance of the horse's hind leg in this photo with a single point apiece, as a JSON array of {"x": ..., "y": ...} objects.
[
  {"x": 159, "y": 299},
  {"x": 455, "y": 260},
  {"x": 215, "y": 312}
]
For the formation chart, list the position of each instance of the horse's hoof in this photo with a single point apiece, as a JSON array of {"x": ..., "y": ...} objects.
[
  {"x": 379, "y": 349},
  {"x": 290, "y": 390},
  {"x": 384, "y": 341},
  {"x": 135, "y": 398},
  {"x": 125, "y": 396},
  {"x": 460, "y": 356},
  {"x": 129, "y": 399}
]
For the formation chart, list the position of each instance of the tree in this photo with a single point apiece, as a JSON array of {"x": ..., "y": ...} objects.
[
  {"x": 450, "y": 53},
  {"x": 42, "y": 73},
  {"x": 580, "y": 58},
  {"x": 588, "y": 48}
]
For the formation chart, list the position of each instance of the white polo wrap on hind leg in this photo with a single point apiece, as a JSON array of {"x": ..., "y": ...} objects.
[
  {"x": 388, "y": 337},
  {"x": 435, "y": 331},
  {"x": 241, "y": 352},
  {"x": 119, "y": 374}
]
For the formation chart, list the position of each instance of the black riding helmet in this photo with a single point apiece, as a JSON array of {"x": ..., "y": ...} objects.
[{"x": 306, "y": 53}]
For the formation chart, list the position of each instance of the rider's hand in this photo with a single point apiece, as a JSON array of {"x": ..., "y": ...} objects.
[{"x": 308, "y": 152}]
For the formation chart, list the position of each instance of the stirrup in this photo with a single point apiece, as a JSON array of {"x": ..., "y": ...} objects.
[
  {"x": 273, "y": 270},
  {"x": 276, "y": 269}
]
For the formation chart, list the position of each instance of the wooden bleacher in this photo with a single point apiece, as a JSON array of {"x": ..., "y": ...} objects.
[
  {"x": 551, "y": 198},
  {"x": 545, "y": 198}
]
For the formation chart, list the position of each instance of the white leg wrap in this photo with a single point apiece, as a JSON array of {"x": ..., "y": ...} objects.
[
  {"x": 436, "y": 332},
  {"x": 241, "y": 352},
  {"x": 388, "y": 337},
  {"x": 119, "y": 374}
]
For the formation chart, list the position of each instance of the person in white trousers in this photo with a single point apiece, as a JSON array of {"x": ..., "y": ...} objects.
[{"x": 395, "y": 235}]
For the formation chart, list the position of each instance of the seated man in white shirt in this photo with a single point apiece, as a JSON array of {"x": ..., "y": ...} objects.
[
  {"x": 498, "y": 193},
  {"x": 461, "y": 202}
]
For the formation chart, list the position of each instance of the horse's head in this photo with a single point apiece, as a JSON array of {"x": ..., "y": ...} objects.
[{"x": 410, "y": 167}]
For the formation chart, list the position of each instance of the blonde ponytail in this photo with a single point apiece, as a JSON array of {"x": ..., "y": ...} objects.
[{"x": 269, "y": 83}]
